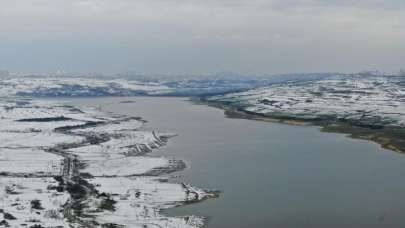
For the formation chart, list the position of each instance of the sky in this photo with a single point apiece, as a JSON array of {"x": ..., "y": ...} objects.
[{"x": 199, "y": 37}]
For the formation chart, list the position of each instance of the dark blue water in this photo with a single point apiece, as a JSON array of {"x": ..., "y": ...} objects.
[{"x": 275, "y": 175}]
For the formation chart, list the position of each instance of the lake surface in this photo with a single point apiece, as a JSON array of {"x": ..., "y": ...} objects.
[{"x": 273, "y": 175}]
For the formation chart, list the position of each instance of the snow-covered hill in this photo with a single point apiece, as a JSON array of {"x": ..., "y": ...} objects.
[
  {"x": 366, "y": 107},
  {"x": 77, "y": 86},
  {"x": 81, "y": 86},
  {"x": 367, "y": 100}
]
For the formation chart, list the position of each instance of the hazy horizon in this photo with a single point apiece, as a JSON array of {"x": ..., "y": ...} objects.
[{"x": 200, "y": 37}]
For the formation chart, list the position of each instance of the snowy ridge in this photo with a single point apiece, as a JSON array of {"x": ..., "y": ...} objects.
[
  {"x": 373, "y": 101},
  {"x": 85, "y": 86},
  {"x": 65, "y": 167},
  {"x": 42, "y": 86}
]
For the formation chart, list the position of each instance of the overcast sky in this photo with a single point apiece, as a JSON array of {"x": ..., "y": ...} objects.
[{"x": 190, "y": 36}]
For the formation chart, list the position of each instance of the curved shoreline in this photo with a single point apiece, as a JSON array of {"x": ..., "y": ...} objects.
[
  {"x": 100, "y": 170},
  {"x": 388, "y": 137}
]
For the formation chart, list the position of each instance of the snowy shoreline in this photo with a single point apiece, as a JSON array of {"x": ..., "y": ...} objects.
[
  {"x": 61, "y": 166},
  {"x": 370, "y": 108}
]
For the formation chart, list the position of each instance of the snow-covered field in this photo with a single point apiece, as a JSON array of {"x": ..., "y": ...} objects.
[
  {"x": 373, "y": 101},
  {"x": 65, "y": 167},
  {"x": 85, "y": 86},
  {"x": 41, "y": 86}
]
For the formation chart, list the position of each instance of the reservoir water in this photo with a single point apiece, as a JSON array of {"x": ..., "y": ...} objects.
[{"x": 273, "y": 175}]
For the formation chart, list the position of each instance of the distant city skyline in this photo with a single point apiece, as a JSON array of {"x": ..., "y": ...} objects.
[{"x": 202, "y": 37}]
